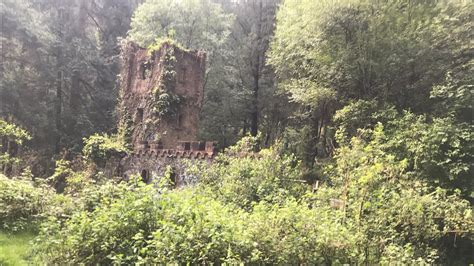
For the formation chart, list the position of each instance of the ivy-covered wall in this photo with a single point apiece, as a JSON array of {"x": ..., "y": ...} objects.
[{"x": 161, "y": 94}]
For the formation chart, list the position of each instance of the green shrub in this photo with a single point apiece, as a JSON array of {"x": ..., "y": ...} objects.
[
  {"x": 243, "y": 179},
  {"x": 141, "y": 225},
  {"x": 99, "y": 148},
  {"x": 439, "y": 150},
  {"x": 401, "y": 217},
  {"x": 187, "y": 226},
  {"x": 12, "y": 133},
  {"x": 22, "y": 205},
  {"x": 248, "y": 209}
]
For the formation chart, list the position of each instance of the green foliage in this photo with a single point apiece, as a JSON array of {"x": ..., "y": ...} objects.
[
  {"x": 244, "y": 178},
  {"x": 143, "y": 226},
  {"x": 22, "y": 205},
  {"x": 166, "y": 102},
  {"x": 83, "y": 246},
  {"x": 309, "y": 93},
  {"x": 386, "y": 53},
  {"x": 98, "y": 148},
  {"x": 159, "y": 42},
  {"x": 125, "y": 128},
  {"x": 454, "y": 95},
  {"x": 14, "y": 248},
  {"x": 401, "y": 217},
  {"x": 439, "y": 150},
  {"x": 365, "y": 56},
  {"x": 13, "y": 134},
  {"x": 251, "y": 208},
  {"x": 173, "y": 224},
  {"x": 392, "y": 180},
  {"x": 59, "y": 70},
  {"x": 193, "y": 23},
  {"x": 355, "y": 115}
]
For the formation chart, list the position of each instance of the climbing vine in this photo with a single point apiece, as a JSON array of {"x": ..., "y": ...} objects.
[
  {"x": 125, "y": 129},
  {"x": 165, "y": 102}
]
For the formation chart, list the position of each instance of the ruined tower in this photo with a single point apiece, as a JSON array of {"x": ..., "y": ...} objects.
[{"x": 161, "y": 98}]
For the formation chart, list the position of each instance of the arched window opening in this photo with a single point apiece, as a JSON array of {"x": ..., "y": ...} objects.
[
  {"x": 145, "y": 176},
  {"x": 187, "y": 146},
  {"x": 173, "y": 178}
]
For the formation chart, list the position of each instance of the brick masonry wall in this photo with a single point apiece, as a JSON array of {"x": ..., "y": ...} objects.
[
  {"x": 138, "y": 99},
  {"x": 162, "y": 142}
]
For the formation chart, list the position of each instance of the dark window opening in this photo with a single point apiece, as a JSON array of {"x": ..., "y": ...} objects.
[
  {"x": 145, "y": 176},
  {"x": 139, "y": 114},
  {"x": 145, "y": 69},
  {"x": 202, "y": 145},
  {"x": 173, "y": 178},
  {"x": 187, "y": 146}
]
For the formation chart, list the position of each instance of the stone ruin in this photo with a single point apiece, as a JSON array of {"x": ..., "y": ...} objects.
[{"x": 161, "y": 97}]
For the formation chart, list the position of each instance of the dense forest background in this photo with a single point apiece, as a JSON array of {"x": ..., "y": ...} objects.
[
  {"x": 362, "y": 103},
  {"x": 328, "y": 65}
]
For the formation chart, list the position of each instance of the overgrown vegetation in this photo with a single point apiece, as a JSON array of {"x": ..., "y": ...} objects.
[
  {"x": 11, "y": 137},
  {"x": 99, "y": 148},
  {"x": 22, "y": 205},
  {"x": 165, "y": 101},
  {"x": 256, "y": 210},
  {"x": 359, "y": 113}
]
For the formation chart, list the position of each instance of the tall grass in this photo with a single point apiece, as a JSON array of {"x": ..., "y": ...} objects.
[{"x": 14, "y": 248}]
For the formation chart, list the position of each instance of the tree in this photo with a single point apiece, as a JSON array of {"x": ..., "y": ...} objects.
[
  {"x": 59, "y": 66},
  {"x": 11, "y": 137},
  {"x": 250, "y": 39},
  {"x": 195, "y": 24},
  {"x": 393, "y": 52}
]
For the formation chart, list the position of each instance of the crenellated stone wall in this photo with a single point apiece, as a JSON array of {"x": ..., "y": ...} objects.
[{"x": 161, "y": 99}]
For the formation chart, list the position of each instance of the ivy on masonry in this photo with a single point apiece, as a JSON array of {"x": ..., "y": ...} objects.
[
  {"x": 125, "y": 129},
  {"x": 165, "y": 102}
]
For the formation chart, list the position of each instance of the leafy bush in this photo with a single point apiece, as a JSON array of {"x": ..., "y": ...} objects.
[
  {"x": 98, "y": 148},
  {"x": 139, "y": 226},
  {"x": 22, "y": 205},
  {"x": 13, "y": 134},
  {"x": 186, "y": 226},
  {"x": 248, "y": 209},
  {"x": 439, "y": 149},
  {"x": 243, "y": 179},
  {"x": 401, "y": 217}
]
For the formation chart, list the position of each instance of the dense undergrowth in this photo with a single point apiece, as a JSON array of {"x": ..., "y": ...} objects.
[{"x": 251, "y": 209}]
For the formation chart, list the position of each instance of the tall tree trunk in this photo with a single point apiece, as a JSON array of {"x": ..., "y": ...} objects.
[
  {"x": 59, "y": 99},
  {"x": 256, "y": 75},
  {"x": 311, "y": 141},
  {"x": 59, "y": 85},
  {"x": 254, "y": 114}
]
